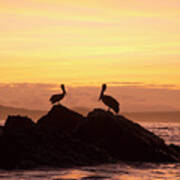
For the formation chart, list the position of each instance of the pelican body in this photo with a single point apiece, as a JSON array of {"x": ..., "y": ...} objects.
[
  {"x": 58, "y": 97},
  {"x": 108, "y": 100}
]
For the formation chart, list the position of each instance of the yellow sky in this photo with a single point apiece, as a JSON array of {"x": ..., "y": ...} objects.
[{"x": 89, "y": 42}]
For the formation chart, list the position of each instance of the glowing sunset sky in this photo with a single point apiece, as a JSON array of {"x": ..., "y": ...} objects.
[
  {"x": 132, "y": 45},
  {"x": 90, "y": 41}
]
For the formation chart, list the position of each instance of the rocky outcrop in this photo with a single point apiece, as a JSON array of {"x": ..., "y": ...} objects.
[
  {"x": 15, "y": 123},
  {"x": 61, "y": 118},
  {"x": 124, "y": 139},
  {"x": 24, "y": 144},
  {"x": 64, "y": 138}
]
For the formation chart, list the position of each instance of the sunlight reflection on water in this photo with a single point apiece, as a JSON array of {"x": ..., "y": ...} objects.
[
  {"x": 121, "y": 171},
  {"x": 168, "y": 131}
]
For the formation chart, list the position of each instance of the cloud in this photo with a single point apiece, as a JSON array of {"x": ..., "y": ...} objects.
[
  {"x": 125, "y": 83},
  {"x": 164, "y": 86}
]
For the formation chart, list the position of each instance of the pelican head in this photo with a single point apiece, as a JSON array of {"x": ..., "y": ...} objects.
[
  {"x": 104, "y": 86},
  {"x": 63, "y": 88},
  {"x": 102, "y": 92}
]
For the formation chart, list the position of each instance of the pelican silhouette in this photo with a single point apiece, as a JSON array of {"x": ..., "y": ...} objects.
[
  {"x": 108, "y": 100},
  {"x": 58, "y": 97}
]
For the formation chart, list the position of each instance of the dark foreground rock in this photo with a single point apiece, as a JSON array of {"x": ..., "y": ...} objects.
[
  {"x": 62, "y": 119},
  {"x": 64, "y": 138},
  {"x": 15, "y": 123},
  {"x": 123, "y": 139}
]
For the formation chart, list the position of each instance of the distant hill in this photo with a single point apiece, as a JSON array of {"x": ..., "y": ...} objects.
[
  {"x": 33, "y": 114},
  {"x": 136, "y": 116},
  {"x": 5, "y": 111}
]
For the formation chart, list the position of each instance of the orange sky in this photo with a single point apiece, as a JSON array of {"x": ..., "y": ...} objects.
[
  {"x": 89, "y": 42},
  {"x": 130, "y": 44}
]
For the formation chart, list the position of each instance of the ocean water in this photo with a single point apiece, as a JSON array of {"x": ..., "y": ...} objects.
[{"x": 170, "y": 132}]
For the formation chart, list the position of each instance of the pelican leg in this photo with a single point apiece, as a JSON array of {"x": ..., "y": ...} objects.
[{"x": 109, "y": 109}]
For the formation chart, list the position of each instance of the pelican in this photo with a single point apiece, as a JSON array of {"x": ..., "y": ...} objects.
[
  {"x": 108, "y": 100},
  {"x": 58, "y": 97}
]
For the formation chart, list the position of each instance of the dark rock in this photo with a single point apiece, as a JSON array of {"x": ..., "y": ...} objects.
[
  {"x": 62, "y": 118},
  {"x": 176, "y": 148},
  {"x": 26, "y": 147},
  {"x": 124, "y": 139},
  {"x": 16, "y": 135},
  {"x": 1, "y": 130},
  {"x": 64, "y": 138},
  {"x": 14, "y": 123}
]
